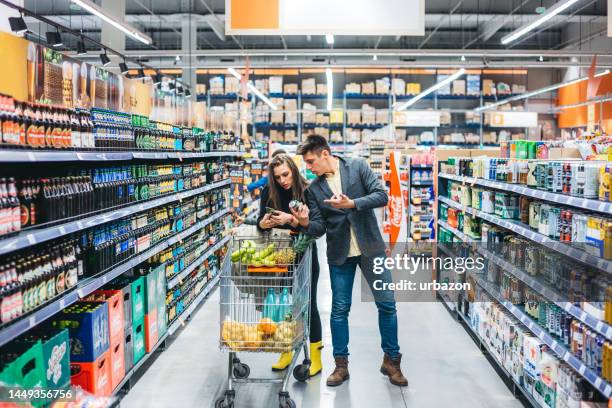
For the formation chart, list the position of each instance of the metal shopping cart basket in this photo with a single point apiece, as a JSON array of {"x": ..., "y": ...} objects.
[{"x": 265, "y": 308}]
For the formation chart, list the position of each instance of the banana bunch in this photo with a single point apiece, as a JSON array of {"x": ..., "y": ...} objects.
[{"x": 284, "y": 256}]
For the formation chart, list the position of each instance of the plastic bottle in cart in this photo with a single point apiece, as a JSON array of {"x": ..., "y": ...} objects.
[
  {"x": 270, "y": 305},
  {"x": 284, "y": 307}
]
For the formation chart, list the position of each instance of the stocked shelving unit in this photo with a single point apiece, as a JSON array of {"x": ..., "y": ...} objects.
[
  {"x": 420, "y": 208},
  {"x": 597, "y": 324}
]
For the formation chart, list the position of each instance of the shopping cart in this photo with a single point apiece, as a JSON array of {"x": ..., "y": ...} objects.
[{"x": 265, "y": 308}]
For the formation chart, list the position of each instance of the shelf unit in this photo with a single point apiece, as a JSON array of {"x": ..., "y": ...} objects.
[
  {"x": 598, "y": 325},
  {"x": 36, "y": 236},
  {"x": 43, "y": 156},
  {"x": 413, "y": 200}
]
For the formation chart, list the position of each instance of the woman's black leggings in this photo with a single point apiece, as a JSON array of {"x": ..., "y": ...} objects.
[{"x": 315, "y": 319}]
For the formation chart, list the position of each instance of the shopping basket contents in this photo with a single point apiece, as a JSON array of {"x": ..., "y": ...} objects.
[{"x": 265, "y": 306}]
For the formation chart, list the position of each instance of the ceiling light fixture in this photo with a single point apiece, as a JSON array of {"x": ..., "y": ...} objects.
[
  {"x": 429, "y": 90},
  {"x": 252, "y": 88},
  {"x": 104, "y": 59},
  {"x": 374, "y": 57},
  {"x": 54, "y": 38},
  {"x": 81, "y": 50},
  {"x": 537, "y": 92},
  {"x": 541, "y": 59},
  {"x": 329, "y": 38},
  {"x": 463, "y": 58},
  {"x": 96, "y": 10},
  {"x": 550, "y": 13},
  {"x": 18, "y": 25},
  {"x": 123, "y": 68},
  {"x": 330, "y": 88}
]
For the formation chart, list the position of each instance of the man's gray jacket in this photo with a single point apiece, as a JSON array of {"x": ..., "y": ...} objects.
[{"x": 360, "y": 184}]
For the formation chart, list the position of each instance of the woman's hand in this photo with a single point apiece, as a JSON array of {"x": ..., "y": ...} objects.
[
  {"x": 267, "y": 222},
  {"x": 281, "y": 218},
  {"x": 301, "y": 214}
]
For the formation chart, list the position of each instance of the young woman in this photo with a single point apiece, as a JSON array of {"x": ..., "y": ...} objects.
[{"x": 285, "y": 184}]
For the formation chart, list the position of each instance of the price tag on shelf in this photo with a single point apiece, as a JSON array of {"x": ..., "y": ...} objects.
[
  {"x": 62, "y": 303},
  {"x": 32, "y": 321},
  {"x": 597, "y": 382},
  {"x": 582, "y": 369}
]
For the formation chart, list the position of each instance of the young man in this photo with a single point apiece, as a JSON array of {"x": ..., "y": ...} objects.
[{"x": 341, "y": 202}]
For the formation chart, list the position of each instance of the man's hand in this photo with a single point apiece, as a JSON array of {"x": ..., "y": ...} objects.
[
  {"x": 281, "y": 218},
  {"x": 340, "y": 201},
  {"x": 267, "y": 222},
  {"x": 301, "y": 214}
]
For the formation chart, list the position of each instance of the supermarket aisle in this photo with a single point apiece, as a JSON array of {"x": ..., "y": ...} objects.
[{"x": 443, "y": 365}]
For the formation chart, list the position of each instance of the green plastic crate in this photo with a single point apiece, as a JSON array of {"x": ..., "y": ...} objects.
[
  {"x": 138, "y": 300},
  {"x": 138, "y": 337}
]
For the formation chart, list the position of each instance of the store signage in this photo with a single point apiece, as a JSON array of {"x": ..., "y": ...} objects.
[
  {"x": 514, "y": 119},
  {"x": 416, "y": 118},
  {"x": 321, "y": 17}
]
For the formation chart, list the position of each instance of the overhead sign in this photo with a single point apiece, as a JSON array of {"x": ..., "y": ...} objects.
[
  {"x": 321, "y": 17},
  {"x": 416, "y": 118},
  {"x": 514, "y": 119}
]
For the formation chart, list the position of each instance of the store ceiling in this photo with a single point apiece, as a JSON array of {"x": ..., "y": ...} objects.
[{"x": 454, "y": 27}]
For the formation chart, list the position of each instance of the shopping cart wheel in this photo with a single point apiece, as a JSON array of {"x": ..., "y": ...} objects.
[
  {"x": 301, "y": 372},
  {"x": 241, "y": 370},
  {"x": 284, "y": 401},
  {"x": 224, "y": 402}
]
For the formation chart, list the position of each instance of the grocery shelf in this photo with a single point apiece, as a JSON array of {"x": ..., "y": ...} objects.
[
  {"x": 421, "y": 166},
  {"x": 492, "y": 358},
  {"x": 178, "y": 321},
  {"x": 89, "y": 285},
  {"x": 28, "y": 238},
  {"x": 596, "y": 324},
  {"x": 591, "y": 376},
  {"x": 185, "y": 272},
  {"x": 585, "y": 203},
  {"x": 43, "y": 156},
  {"x": 519, "y": 228},
  {"x": 367, "y": 96},
  {"x": 455, "y": 231},
  {"x": 422, "y": 183}
]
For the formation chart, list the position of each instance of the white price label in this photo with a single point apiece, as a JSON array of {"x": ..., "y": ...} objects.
[{"x": 32, "y": 321}]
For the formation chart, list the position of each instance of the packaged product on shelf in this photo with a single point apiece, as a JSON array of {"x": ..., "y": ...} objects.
[
  {"x": 309, "y": 114},
  {"x": 216, "y": 85},
  {"x": 368, "y": 88},
  {"x": 291, "y": 114},
  {"x": 413, "y": 88},
  {"x": 309, "y": 86},
  {"x": 290, "y": 89},
  {"x": 382, "y": 116},
  {"x": 382, "y": 86},
  {"x": 459, "y": 87},
  {"x": 473, "y": 85},
  {"x": 321, "y": 89},
  {"x": 352, "y": 88},
  {"x": 93, "y": 376},
  {"x": 488, "y": 87},
  {"x": 275, "y": 84},
  {"x": 353, "y": 117},
  {"x": 368, "y": 114},
  {"x": 398, "y": 86},
  {"x": 87, "y": 323}
]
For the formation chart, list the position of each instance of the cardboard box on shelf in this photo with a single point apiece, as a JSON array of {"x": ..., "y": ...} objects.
[
  {"x": 398, "y": 85},
  {"x": 291, "y": 89},
  {"x": 216, "y": 85},
  {"x": 262, "y": 86},
  {"x": 368, "y": 114},
  {"x": 518, "y": 89},
  {"x": 353, "y": 135},
  {"x": 291, "y": 136},
  {"x": 232, "y": 84},
  {"x": 336, "y": 136},
  {"x": 201, "y": 89},
  {"x": 276, "y": 116},
  {"x": 413, "y": 88},
  {"x": 382, "y": 86},
  {"x": 445, "y": 117},
  {"x": 275, "y": 84},
  {"x": 309, "y": 86},
  {"x": 291, "y": 114},
  {"x": 446, "y": 89},
  {"x": 472, "y": 117},
  {"x": 488, "y": 87},
  {"x": 473, "y": 85},
  {"x": 382, "y": 116},
  {"x": 503, "y": 89},
  {"x": 367, "y": 88},
  {"x": 322, "y": 118},
  {"x": 336, "y": 116},
  {"x": 309, "y": 113},
  {"x": 352, "y": 88},
  {"x": 459, "y": 87},
  {"x": 353, "y": 117},
  {"x": 322, "y": 131},
  {"x": 321, "y": 89}
]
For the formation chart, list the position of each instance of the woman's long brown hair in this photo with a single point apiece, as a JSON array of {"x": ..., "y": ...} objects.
[{"x": 299, "y": 182}]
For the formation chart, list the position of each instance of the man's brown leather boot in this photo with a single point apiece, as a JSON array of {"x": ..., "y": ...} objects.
[
  {"x": 393, "y": 370},
  {"x": 340, "y": 373}
]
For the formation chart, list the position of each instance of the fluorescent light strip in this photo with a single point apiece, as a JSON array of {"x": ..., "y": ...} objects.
[
  {"x": 330, "y": 88},
  {"x": 253, "y": 90},
  {"x": 127, "y": 29},
  {"x": 550, "y": 13},
  {"x": 537, "y": 92},
  {"x": 431, "y": 89}
]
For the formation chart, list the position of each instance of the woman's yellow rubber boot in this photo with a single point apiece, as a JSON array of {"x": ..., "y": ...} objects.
[
  {"x": 283, "y": 362},
  {"x": 315, "y": 358}
]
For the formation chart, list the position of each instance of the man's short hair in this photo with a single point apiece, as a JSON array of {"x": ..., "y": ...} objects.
[
  {"x": 313, "y": 144},
  {"x": 278, "y": 151}
]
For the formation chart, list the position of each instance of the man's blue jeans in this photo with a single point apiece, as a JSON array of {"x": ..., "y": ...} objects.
[{"x": 342, "y": 278}]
